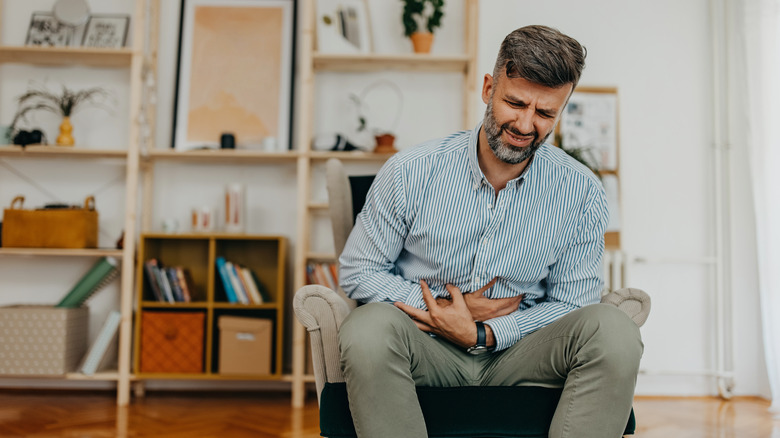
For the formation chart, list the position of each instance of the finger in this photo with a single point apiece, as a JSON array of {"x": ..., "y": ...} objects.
[
  {"x": 455, "y": 293},
  {"x": 486, "y": 287},
  {"x": 417, "y": 314},
  {"x": 427, "y": 295},
  {"x": 423, "y": 326}
]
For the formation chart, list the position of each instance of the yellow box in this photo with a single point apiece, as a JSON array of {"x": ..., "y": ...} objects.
[
  {"x": 50, "y": 228},
  {"x": 244, "y": 345}
]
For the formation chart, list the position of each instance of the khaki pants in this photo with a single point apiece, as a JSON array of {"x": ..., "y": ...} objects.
[{"x": 593, "y": 353}]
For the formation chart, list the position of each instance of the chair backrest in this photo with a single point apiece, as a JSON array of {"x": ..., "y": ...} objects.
[{"x": 346, "y": 196}]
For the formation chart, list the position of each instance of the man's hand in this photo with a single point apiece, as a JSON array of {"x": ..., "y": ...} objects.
[
  {"x": 483, "y": 308},
  {"x": 452, "y": 322}
]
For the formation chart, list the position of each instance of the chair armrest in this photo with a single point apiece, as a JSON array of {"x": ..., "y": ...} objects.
[
  {"x": 322, "y": 311},
  {"x": 635, "y": 302}
]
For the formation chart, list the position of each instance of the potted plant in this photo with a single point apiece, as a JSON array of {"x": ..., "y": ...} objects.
[
  {"x": 64, "y": 104},
  {"x": 420, "y": 18},
  {"x": 384, "y": 136}
]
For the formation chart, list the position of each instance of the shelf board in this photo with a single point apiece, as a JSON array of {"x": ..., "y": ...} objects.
[
  {"x": 103, "y": 375},
  {"x": 349, "y": 156},
  {"x": 60, "y": 152},
  {"x": 49, "y": 56},
  {"x": 223, "y": 155},
  {"x": 244, "y": 306},
  {"x": 160, "y": 305},
  {"x": 321, "y": 256},
  {"x": 207, "y": 376},
  {"x": 306, "y": 378},
  {"x": 382, "y": 62},
  {"x": 86, "y": 252}
]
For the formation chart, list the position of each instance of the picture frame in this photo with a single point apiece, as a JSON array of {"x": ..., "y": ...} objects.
[
  {"x": 343, "y": 27},
  {"x": 45, "y": 30},
  {"x": 590, "y": 121},
  {"x": 106, "y": 31},
  {"x": 234, "y": 74}
]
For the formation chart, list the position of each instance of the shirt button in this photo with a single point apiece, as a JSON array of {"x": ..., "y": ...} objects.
[
  {"x": 478, "y": 280},
  {"x": 490, "y": 206}
]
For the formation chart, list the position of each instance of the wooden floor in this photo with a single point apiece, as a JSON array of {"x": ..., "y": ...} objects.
[{"x": 186, "y": 415}]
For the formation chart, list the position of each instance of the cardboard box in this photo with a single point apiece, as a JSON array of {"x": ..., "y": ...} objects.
[
  {"x": 42, "y": 340},
  {"x": 244, "y": 345},
  {"x": 172, "y": 342}
]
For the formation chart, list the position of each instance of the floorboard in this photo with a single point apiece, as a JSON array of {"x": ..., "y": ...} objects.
[{"x": 85, "y": 414}]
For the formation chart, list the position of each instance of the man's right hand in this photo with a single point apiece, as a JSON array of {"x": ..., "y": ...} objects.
[{"x": 483, "y": 308}]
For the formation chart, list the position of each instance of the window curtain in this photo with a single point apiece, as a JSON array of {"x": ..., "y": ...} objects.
[{"x": 757, "y": 78}]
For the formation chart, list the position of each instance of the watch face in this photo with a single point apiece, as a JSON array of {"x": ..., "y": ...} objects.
[{"x": 478, "y": 349}]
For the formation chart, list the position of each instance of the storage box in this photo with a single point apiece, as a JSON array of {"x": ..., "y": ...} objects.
[
  {"x": 50, "y": 228},
  {"x": 42, "y": 340},
  {"x": 172, "y": 342},
  {"x": 244, "y": 345}
]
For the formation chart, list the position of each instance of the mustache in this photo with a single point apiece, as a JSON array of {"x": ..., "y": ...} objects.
[{"x": 516, "y": 133}]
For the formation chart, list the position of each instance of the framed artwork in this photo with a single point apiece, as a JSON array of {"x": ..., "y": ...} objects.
[
  {"x": 234, "y": 73},
  {"x": 590, "y": 121},
  {"x": 46, "y": 31},
  {"x": 343, "y": 27},
  {"x": 106, "y": 31}
]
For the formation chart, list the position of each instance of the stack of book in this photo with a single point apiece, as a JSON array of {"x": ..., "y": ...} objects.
[
  {"x": 324, "y": 274},
  {"x": 169, "y": 284},
  {"x": 240, "y": 283}
]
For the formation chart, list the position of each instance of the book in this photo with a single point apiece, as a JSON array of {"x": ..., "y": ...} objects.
[
  {"x": 223, "y": 275},
  {"x": 238, "y": 288},
  {"x": 183, "y": 284},
  {"x": 96, "y": 354},
  {"x": 173, "y": 280},
  {"x": 254, "y": 292},
  {"x": 151, "y": 279},
  {"x": 101, "y": 273},
  {"x": 162, "y": 280}
]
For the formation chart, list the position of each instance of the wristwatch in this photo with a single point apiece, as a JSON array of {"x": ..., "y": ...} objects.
[{"x": 481, "y": 345}]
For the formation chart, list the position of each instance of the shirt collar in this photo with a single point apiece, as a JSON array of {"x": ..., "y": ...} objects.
[{"x": 478, "y": 178}]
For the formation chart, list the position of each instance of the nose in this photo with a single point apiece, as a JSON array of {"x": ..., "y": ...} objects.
[{"x": 524, "y": 122}]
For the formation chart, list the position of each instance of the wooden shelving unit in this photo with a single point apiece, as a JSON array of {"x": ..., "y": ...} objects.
[
  {"x": 59, "y": 56},
  {"x": 265, "y": 255},
  {"x": 131, "y": 58},
  {"x": 311, "y": 63}
]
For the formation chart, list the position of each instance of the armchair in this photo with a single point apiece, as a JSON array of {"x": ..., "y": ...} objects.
[{"x": 449, "y": 412}]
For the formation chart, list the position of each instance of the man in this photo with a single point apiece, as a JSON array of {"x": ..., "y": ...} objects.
[{"x": 491, "y": 241}]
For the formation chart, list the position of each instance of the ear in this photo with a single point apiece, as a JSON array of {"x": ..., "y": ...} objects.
[{"x": 487, "y": 87}]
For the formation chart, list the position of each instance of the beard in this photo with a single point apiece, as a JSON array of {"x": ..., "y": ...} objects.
[{"x": 503, "y": 151}]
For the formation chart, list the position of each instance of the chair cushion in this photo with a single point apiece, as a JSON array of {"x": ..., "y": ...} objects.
[{"x": 450, "y": 412}]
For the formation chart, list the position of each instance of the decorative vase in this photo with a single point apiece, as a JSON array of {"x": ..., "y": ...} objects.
[
  {"x": 384, "y": 144},
  {"x": 66, "y": 133},
  {"x": 422, "y": 42}
]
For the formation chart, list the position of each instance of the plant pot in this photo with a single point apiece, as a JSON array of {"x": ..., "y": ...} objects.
[
  {"x": 384, "y": 144},
  {"x": 422, "y": 42},
  {"x": 66, "y": 133}
]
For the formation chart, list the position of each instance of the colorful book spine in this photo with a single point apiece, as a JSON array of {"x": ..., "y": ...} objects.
[
  {"x": 226, "y": 284},
  {"x": 241, "y": 294}
]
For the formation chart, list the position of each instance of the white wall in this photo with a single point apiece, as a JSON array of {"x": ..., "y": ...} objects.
[
  {"x": 658, "y": 56},
  {"x": 656, "y": 53}
]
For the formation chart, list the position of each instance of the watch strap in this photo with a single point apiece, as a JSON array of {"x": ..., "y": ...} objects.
[{"x": 481, "y": 334}]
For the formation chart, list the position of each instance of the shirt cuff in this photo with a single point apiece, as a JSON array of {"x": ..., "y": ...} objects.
[{"x": 505, "y": 331}]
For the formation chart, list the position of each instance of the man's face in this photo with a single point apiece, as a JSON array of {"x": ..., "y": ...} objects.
[{"x": 520, "y": 115}]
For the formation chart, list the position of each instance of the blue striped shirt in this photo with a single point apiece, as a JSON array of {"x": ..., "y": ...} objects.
[{"x": 432, "y": 215}]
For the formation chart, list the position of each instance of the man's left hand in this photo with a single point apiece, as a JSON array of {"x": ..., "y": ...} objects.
[{"x": 452, "y": 322}]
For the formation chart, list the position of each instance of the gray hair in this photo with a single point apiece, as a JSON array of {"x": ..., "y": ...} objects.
[{"x": 542, "y": 55}]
